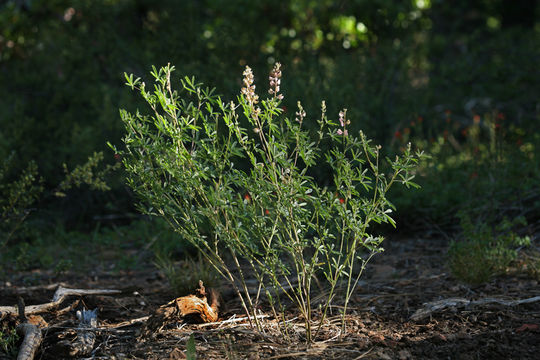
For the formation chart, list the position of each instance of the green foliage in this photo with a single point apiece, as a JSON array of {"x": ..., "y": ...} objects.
[
  {"x": 16, "y": 197},
  {"x": 116, "y": 248},
  {"x": 480, "y": 161},
  {"x": 184, "y": 276},
  {"x": 8, "y": 341},
  {"x": 87, "y": 174},
  {"x": 191, "y": 350},
  {"x": 530, "y": 264},
  {"x": 390, "y": 61},
  {"x": 486, "y": 249},
  {"x": 235, "y": 180},
  {"x": 63, "y": 266}
]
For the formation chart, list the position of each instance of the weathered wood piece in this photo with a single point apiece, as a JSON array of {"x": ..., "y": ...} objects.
[
  {"x": 31, "y": 332},
  {"x": 439, "y": 305},
  {"x": 203, "y": 307},
  {"x": 30, "y": 327},
  {"x": 59, "y": 296}
]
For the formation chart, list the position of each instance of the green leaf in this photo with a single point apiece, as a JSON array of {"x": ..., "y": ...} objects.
[{"x": 191, "y": 351}]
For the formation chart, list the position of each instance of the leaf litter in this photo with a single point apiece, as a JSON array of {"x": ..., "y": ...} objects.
[{"x": 145, "y": 320}]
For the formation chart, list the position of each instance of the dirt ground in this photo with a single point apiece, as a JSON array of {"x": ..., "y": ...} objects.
[{"x": 397, "y": 283}]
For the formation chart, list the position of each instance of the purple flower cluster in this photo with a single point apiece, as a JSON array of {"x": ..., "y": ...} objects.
[
  {"x": 300, "y": 114},
  {"x": 275, "y": 81},
  {"x": 249, "y": 88},
  {"x": 343, "y": 122}
]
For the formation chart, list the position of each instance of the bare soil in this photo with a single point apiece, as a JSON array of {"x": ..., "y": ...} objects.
[{"x": 397, "y": 283}]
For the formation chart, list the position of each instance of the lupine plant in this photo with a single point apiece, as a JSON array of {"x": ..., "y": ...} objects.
[{"x": 233, "y": 178}]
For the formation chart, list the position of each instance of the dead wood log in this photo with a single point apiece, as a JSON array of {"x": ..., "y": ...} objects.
[
  {"x": 202, "y": 307},
  {"x": 439, "y": 305},
  {"x": 32, "y": 340},
  {"x": 31, "y": 332},
  {"x": 59, "y": 296}
]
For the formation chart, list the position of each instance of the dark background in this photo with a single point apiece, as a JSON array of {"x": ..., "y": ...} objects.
[{"x": 457, "y": 78}]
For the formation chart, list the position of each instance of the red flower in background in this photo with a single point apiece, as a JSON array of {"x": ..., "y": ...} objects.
[
  {"x": 448, "y": 118},
  {"x": 398, "y": 135},
  {"x": 476, "y": 119},
  {"x": 247, "y": 197}
]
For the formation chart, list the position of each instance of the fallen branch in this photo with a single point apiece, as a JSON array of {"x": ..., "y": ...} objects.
[
  {"x": 59, "y": 296},
  {"x": 230, "y": 321},
  {"x": 435, "y": 306},
  {"x": 32, "y": 335},
  {"x": 30, "y": 289},
  {"x": 125, "y": 323}
]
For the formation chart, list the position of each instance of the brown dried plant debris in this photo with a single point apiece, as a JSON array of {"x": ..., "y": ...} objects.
[{"x": 201, "y": 307}]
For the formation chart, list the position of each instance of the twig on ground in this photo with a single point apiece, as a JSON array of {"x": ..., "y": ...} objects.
[
  {"x": 125, "y": 323},
  {"x": 231, "y": 320},
  {"x": 27, "y": 289},
  {"x": 59, "y": 296},
  {"x": 363, "y": 354},
  {"x": 434, "y": 306},
  {"x": 297, "y": 354}
]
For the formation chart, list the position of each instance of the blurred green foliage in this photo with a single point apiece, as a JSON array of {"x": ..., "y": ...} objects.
[
  {"x": 390, "y": 62},
  {"x": 104, "y": 249},
  {"x": 8, "y": 341},
  {"x": 17, "y": 195},
  {"x": 487, "y": 249},
  {"x": 184, "y": 276},
  {"x": 21, "y": 193}
]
